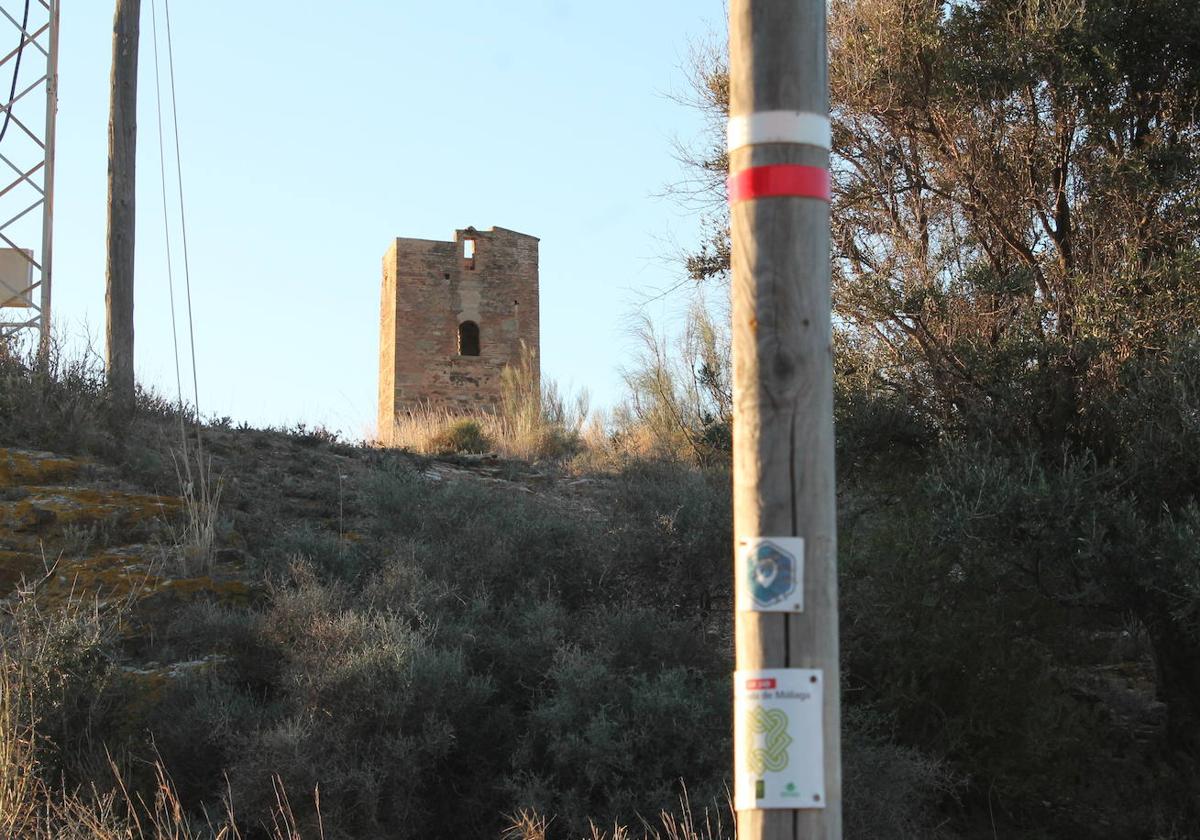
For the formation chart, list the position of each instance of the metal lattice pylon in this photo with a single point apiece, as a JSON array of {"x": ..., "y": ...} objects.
[{"x": 30, "y": 67}]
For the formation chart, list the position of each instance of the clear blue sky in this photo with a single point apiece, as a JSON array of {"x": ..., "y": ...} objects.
[{"x": 313, "y": 133}]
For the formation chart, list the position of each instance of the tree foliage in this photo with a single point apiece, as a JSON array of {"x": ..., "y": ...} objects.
[
  {"x": 1016, "y": 200},
  {"x": 1016, "y": 229}
]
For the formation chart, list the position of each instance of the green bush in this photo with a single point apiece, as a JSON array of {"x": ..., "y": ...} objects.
[
  {"x": 372, "y": 711},
  {"x": 64, "y": 405},
  {"x": 505, "y": 653},
  {"x": 462, "y": 436},
  {"x": 489, "y": 659},
  {"x": 71, "y": 689},
  {"x": 979, "y": 615},
  {"x": 336, "y": 558},
  {"x": 891, "y": 792},
  {"x": 607, "y": 741},
  {"x": 674, "y": 524}
]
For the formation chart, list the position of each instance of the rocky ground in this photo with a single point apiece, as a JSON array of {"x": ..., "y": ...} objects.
[
  {"x": 74, "y": 529},
  {"x": 70, "y": 528}
]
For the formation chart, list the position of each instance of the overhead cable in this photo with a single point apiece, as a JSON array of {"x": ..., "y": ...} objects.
[{"x": 12, "y": 93}]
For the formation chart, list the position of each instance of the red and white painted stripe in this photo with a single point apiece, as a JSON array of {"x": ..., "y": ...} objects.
[
  {"x": 785, "y": 179},
  {"x": 779, "y": 127}
]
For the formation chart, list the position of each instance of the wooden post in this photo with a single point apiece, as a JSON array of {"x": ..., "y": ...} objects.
[
  {"x": 783, "y": 369},
  {"x": 122, "y": 159}
]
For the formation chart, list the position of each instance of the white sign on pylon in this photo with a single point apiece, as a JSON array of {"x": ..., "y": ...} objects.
[{"x": 778, "y": 744}]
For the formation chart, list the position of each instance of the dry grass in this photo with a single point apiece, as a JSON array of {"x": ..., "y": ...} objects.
[
  {"x": 31, "y": 809},
  {"x": 18, "y": 780},
  {"x": 684, "y": 825},
  {"x": 201, "y": 494},
  {"x": 534, "y": 422},
  {"x": 531, "y": 422},
  {"x": 431, "y": 431}
]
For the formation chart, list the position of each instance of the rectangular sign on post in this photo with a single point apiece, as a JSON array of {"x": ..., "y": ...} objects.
[
  {"x": 16, "y": 277},
  {"x": 779, "y": 751},
  {"x": 770, "y": 574}
]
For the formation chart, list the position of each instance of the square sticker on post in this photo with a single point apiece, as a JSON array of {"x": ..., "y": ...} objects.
[
  {"x": 778, "y": 741},
  {"x": 770, "y": 574}
]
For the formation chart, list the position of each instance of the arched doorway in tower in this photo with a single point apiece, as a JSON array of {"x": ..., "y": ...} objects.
[{"x": 468, "y": 339}]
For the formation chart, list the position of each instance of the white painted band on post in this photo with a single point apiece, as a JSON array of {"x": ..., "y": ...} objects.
[{"x": 779, "y": 127}]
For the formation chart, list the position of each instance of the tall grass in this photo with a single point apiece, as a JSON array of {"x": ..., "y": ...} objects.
[
  {"x": 683, "y": 824},
  {"x": 201, "y": 495},
  {"x": 679, "y": 401},
  {"x": 19, "y": 782},
  {"x": 60, "y": 404},
  {"x": 32, "y": 808},
  {"x": 63, "y": 404},
  {"x": 532, "y": 421}
]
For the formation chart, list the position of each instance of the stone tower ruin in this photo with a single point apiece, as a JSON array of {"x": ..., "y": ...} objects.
[{"x": 453, "y": 315}]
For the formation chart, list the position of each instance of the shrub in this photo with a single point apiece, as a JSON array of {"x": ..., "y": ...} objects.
[
  {"x": 64, "y": 405},
  {"x": 461, "y": 436},
  {"x": 530, "y": 422},
  {"x": 372, "y": 711},
  {"x": 607, "y": 741},
  {"x": 61, "y": 405},
  {"x": 69, "y": 688},
  {"x": 468, "y": 657},
  {"x": 680, "y": 399},
  {"x": 533, "y": 419},
  {"x": 891, "y": 792},
  {"x": 674, "y": 523},
  {"x": 335, "y": 557}
]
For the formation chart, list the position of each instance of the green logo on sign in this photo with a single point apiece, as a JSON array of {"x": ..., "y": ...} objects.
[{"x": 772, "y": 755}]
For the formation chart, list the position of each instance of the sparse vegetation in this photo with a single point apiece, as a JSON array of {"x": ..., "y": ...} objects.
[
  {"x": 532, "y": 422},
  {"x": 432, "y": 650},
  {"x": 464, "y": 436},
  {"x": 537, "y": 645}
]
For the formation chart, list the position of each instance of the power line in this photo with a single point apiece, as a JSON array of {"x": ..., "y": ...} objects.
[
  {"x": 187, "y": 271},
  {"x": 162, "y": 168},
  {"x": 12, "y": 93},
  {"x": 202, "y": 470}
]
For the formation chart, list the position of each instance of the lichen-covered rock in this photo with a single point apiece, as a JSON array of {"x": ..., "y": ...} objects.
[
  {"x": 52, "y": 514},
  {"x": 67, "y": 541},
  {"x": 21, "y": 466}
]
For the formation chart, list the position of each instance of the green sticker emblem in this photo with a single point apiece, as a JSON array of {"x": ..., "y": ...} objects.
[{"x": 772, "y": 756}]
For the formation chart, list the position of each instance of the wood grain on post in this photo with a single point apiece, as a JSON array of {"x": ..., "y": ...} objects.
[
  {"x": 783, "y": 376},
  {"x": 122, "y": 158}
]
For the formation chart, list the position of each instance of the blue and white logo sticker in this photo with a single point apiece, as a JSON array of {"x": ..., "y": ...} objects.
[{"x": 771, "y": 574}]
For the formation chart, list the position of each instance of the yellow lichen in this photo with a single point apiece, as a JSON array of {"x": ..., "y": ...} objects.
[
  {"x": 95, "y": 539},
  {"x": 19, "y": 467}
]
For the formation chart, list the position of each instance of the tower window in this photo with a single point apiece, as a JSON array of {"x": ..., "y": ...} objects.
[
  {"x": 469, "y": 253},
  {"x": 468, "y": 339}
]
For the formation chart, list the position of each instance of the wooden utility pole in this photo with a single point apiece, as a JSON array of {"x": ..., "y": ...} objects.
[
  {"x": 787, "y": 715},
  {"x": 122, "y": 160}
]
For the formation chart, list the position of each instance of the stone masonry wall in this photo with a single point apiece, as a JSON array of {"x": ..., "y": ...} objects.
[{"x": 429, "y": 289}]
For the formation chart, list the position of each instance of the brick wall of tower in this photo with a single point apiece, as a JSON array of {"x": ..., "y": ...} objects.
[{"x": 430, "y": 288}]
